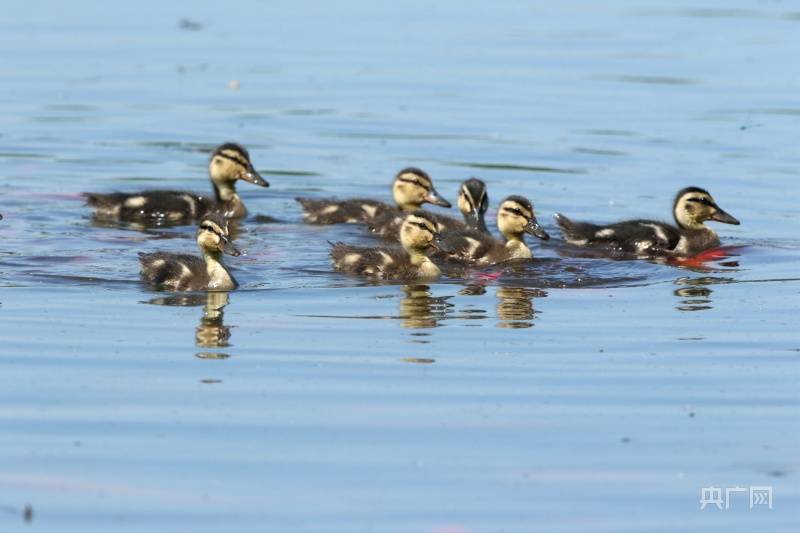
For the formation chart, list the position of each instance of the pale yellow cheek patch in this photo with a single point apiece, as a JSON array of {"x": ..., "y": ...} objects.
[{"x": 330, "y": 209}]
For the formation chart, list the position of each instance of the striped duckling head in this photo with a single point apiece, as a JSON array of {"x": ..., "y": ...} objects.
[
  {"x": 213, "y": 236},
  {"x": 694, "y": 205},
  {"x": 516, "y": 217},
  {"x": 413, "y": 187},
  {"x": 473, "y": 201},
  {"x": 231, "y": 162},
  {"x": 418, "y": 234}
]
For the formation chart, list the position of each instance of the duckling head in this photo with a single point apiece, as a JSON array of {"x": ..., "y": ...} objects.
[
  {"x": 228, "y": 163},
  {"x": 213, "y": 236},
  {"x": 516, "y": 217},
  {"x": 473, "y": 201},
  {"x": 418, "y": 234},
  {"x": 413, "y": 187},
  {"x": 694, "y": 205}
]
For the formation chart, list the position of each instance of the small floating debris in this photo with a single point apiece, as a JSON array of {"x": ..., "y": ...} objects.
[
  {"x": 418, "y": 360},
  {"x": 188, "y": 24},
  {"x": 234, "y": 85}
]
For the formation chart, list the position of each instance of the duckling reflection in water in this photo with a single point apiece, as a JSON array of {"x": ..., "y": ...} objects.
[
  {"x": 692, "y": 207},
  {"x": 229, "y": 163},
  {"x": 695, "y": 293},
  {"x": 420, "y": 309},
  {"x": 179, "y": 272},
  {"x": 418, "y": 236},
  {"x": 515, "y": 308},
  {"x": 411, "y": 188},
  {"x": 211, "y": 332}
]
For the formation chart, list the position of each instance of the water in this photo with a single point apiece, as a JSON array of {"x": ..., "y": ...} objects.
[{"x": 573, "y": 394}]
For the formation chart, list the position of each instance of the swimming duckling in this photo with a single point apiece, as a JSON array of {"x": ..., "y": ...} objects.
[
  {"x": 229, "y": 162},
  {"x": 693, "y": 206},
  {"x": 418, "y": 235},
  {"x": 515, "y": 217},
  {"x": 473, "y": 201},
  {"x": 191, "y": 273},
  {"x": 411, "y": 188}
]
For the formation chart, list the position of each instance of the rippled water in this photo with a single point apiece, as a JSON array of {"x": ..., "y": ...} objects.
[{"x": 571, "y": 394}]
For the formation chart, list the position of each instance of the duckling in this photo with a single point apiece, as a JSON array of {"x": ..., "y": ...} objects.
[
  {"x": 190, "y": 273},
  {"x": 693, "y": 206},
  {"x": 418, "y": 235},
  {"x": 473, "y": 201},
  {"x": 515, "y": 217},
  {"x": 229, "y": 162},
  {"x": 411, "y": 188}
]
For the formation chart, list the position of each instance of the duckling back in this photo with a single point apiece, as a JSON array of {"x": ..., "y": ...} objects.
[
  {"x": 175, "y": 272},
  {"x": 330, "y": 211},
  {"x": 149, "y": 206},
  {"x": 387, "y": 224}
]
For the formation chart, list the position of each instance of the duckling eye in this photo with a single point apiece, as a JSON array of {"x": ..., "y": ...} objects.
[
  {"x": 413, "y": 182},
  {"x": 515, "y": 211},
  {"x": 704, "y": 201}
]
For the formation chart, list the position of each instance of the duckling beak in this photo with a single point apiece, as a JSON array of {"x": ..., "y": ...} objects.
[
  {"x": 536, "y": 230},
  {"x": 439, "y": 245},
  {"x": 254, "y": 177},
  {"x": 435, "y": 198},
  {"x": 475, "y": 220},
  {"x": 722, "y": 216},
  {"x": 227, "y": 247}
]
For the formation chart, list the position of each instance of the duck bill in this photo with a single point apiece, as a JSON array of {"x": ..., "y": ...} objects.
[
  {"x": 536, "y": 230},
  {"x": 440, "y": 246},
  {"x": 228, "y": 248},
  {"x": 724, "y": 217},
  {"x": 474, "y": 219},
  {"x": 254, "y": 177},
  {"x": 435, "y": 198}
]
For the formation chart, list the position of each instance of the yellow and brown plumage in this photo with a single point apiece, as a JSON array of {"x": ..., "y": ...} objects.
[
  {"x": 411, "y": 188},
  {"x": 229, "y": 163},
  {"x": 473, "y": 201},
  {"x": 515, "y": 218},
  {"x": 181, "y": 272},
  {"x": 692, "y": 207},
  {"x": 409, "y": 261}
]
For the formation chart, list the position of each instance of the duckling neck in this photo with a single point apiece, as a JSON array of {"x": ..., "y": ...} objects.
[
  {"x": 231, "y": 203},
  {"x": 427, "y": 268},
  {"x": 516, "y": 247},
  {"x": 408, "y": 208},
  {"x": 218, "y": 276},
  {"x": 225, "y": 191}
]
